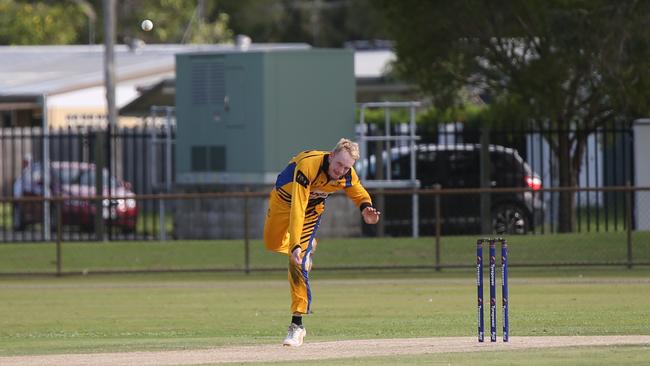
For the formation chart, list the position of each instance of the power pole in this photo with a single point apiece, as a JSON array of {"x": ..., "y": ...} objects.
[
  {"x": 316, "y": 8},
  {"x": 109, "y": 83},
  {"x": 109, "y": 60}
]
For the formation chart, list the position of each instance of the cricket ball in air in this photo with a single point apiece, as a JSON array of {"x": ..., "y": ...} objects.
[{"x": 146, "y": 25}]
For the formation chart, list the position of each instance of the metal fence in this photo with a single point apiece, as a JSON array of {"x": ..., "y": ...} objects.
[
  {"x": 140, "y": 160},
  {"x": 628, "y": 248},
  {"x": 443, "y": 212},
  {"x": 132, "y": 161},
  {"x": 607, "y": 160}
]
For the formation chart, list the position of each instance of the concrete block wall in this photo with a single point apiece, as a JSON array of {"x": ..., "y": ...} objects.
[{"x": 223, "y": 218}]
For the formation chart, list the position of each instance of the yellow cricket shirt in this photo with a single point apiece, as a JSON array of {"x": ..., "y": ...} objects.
[{"x": 304, "y": 185}]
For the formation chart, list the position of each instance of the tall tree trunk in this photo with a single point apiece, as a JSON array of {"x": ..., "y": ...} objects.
[{"x": 567, "y": 216}]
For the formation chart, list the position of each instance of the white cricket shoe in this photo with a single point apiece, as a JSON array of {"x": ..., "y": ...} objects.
[{"x": 295, "y": 336}]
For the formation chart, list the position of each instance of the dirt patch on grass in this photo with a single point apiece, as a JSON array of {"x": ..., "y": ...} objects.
[{"x": 318, "y": 351}]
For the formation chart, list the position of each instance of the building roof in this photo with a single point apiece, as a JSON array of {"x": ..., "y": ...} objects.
[
  {"x": 372, "y": 63},
  {"x": 50, "y": 70},
  {"x": 162, "y": 93},
  {"x": 370, "y": 68},
  {"x": 144, "y": 75}
]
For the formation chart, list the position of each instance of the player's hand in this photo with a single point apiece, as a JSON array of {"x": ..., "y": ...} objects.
[
  {"x": 295, "y": 256},
  {"x": 370, "y": 215}
]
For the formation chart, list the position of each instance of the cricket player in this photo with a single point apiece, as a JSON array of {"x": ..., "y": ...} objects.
[{"x": 295, "y": 207}]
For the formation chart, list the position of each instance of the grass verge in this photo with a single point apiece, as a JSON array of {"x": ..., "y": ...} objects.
[
  {"x": 332, "y": 253},
  {"x": 164, "y": 312}
]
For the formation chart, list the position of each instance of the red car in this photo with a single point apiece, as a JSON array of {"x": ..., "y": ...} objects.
[{"x": 75, "y": 180}]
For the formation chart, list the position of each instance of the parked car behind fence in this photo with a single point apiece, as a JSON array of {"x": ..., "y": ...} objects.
[
  {"x": 77, "y": 181},
  {"x": 458, "y": 166}
]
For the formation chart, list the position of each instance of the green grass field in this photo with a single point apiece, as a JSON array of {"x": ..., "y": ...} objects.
[
  {"x": 162, "y": 312},
  {"x": 229, "y": 254},
  {"x": 173, "y": 311}
]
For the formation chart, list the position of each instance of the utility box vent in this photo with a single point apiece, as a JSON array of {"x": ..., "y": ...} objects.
[
  {"x": 208, "y": 83},
  {"x": 208, "y": 158}
]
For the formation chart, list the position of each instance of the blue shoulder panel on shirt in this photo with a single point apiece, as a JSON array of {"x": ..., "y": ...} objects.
[
  {"x": 285, "y": 176},
  {"x": 348, "y": 179}
]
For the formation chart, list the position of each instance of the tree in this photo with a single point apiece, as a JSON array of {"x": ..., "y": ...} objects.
[
  {"x": 321, "y": 23},
  {"x": 564, "y": 64},
  {"x": 28, "y": 23},
  {"x": 175, "y": 21}
]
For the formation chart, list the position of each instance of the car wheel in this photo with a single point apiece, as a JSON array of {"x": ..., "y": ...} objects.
[
  {"x": 18, "y": 221},
  {"x": 509, "y": 219}
]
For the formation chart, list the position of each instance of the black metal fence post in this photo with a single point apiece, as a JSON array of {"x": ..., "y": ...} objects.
[
  {"x": 59, "y": 225},
  {"x": 247, "y": 254},
  {"x": 485, "y": 182},
  {"x": 628, "y": 198},
  {"x": 437, "y": 200},
  {"x": 99, "y": 184}
]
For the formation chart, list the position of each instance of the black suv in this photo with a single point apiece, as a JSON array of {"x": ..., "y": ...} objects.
[{"x": 458, "y": 166}]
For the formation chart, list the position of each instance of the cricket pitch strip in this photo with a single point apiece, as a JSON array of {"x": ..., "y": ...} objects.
[{"x": 318, "y": 351}]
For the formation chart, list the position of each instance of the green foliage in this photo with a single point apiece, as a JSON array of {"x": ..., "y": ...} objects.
[
  {"x": 319, "y": 23},
  {"x": 323, "y": 24},
  {"x": 5, "y": 216},
  {"x": 507, "y": 108},
  {"x": 471, "y": 115},
  {"x": 428, "y": 119},
  {"x": 31, "y": 23},
  {"x": 175, "y": 21},
  {"x": 554, "y": 64},
  {"x": 378, "y": 116},
  {"x": 215, "y": 32},
  {"x": 77, "y": 21},
  {"x": 522, "y": 52}
]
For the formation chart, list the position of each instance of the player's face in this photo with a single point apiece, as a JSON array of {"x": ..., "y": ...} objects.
[{"x": 340, "y": 164}]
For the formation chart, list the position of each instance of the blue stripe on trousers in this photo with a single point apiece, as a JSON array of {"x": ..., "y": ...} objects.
[{"x": 305, "y": 273}]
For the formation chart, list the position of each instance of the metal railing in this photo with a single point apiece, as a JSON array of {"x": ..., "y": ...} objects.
[{"x": 249, "y": 217}]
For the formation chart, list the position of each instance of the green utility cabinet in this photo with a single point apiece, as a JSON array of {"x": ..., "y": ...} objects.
[{"x": 241, "y": 115}]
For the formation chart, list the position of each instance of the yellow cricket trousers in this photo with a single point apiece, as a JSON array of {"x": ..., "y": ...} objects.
[{"x": 276, "y": 239}]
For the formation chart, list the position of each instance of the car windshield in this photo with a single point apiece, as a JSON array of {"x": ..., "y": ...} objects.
[
  {"x": 87, "y": 178},
  {"x": 67, "y": 176},
  {"x": 83, "y": 177}
]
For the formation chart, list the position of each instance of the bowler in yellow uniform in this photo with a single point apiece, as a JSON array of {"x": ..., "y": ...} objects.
[{"x": 295, "y": 207}]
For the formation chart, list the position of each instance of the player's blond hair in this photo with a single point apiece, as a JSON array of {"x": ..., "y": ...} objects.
[{"x": 350, "y": 146}]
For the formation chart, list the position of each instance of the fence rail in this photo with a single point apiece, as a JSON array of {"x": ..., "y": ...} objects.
[
  {"x": 141, "y": 157},
  {"x": 433, "y": 210},
  {"x": 628, "y": 235}
]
